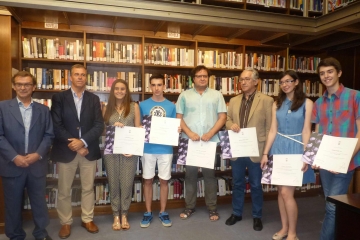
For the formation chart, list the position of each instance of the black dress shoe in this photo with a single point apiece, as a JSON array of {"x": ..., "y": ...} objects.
[
  {"x": 45, "y": 238},
  {"x": 257, "y": 224},
  {"x": 233, "y": 219}
]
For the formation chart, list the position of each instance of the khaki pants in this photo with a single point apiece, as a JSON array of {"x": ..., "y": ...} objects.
[
  {"x": 66, "y": 177},
  {"x": 191, "y": 178}
]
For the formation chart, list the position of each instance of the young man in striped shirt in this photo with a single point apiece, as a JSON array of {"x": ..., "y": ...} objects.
[{"x": 336, "y": 113}]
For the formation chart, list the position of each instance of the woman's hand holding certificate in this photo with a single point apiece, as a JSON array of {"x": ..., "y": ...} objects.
[{"x": 129, "y": 140}]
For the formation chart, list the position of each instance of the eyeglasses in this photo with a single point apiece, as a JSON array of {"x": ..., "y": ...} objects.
[
  {"x": 286, "y": 82},
  {"x": 26, "y": 85},
  {"x": 201, "y": 76},
  {"x": 244, "y": 79}
]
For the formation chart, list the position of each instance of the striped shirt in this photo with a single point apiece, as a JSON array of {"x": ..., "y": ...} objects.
[
  {"x": 245, "y": 109},
  {"x": 337, "y": 114}
]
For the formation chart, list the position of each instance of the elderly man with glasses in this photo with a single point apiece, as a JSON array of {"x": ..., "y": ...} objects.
[{"x": 249, "y": 109}]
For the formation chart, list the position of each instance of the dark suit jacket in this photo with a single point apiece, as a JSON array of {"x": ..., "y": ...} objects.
[
  {"x": 12, "y": 137},
  {"x": 67, "y": 125}
]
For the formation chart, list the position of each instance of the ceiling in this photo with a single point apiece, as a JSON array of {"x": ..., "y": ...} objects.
[{"x": 226, "y": 23}]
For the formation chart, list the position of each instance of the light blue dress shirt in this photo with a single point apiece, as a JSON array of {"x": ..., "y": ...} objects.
[
  {"x": 26, "y": 114},
  {"x": 200, "y": 111},
  {"x": 78, "y": 103}
]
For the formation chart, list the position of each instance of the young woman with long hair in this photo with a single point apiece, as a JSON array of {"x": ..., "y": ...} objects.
[
  {"x": 289, "y": 132},
  {"x": 121, "y": 111}
]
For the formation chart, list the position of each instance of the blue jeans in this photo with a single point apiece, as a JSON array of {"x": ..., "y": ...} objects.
[
  {"x": 238, "y": 174},
  {"x": 332, "y": 184}
]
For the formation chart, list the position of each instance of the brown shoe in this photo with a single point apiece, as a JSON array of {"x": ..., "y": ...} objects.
[
  {"x": 90, "y": 227},
  {"x": 65, "y": 231}
]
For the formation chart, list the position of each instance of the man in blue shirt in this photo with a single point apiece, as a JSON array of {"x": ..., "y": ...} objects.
[
  {"x": 203, "y": 113},
  {"x": 157, "y": 106}
]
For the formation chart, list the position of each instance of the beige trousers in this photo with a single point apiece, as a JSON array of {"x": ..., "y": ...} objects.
[{"x": 66, "y": 177}]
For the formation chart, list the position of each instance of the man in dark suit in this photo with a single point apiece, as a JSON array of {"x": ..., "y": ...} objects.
[
  {"x": 78, "y": 124},
  {"x": 26, "y": 132}
]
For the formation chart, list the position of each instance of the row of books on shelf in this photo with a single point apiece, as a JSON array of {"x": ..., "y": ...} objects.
[
  {"x": 177, "y": 83},
  {"x": 217, "y": 59},
  {"x": 271, "y": 87},
  {"x": 114, "y": 52},
  {"x": 37, "y": 47},
  {"x": 265, "y": 62},
  {"x": 59, "y": 79},
  {"x": 46, "y": 78},
  {"x": 176, "y": 186},
  {"x": 174, "y": 83},
  {"x": 304, "y": 64},
  {"x": 339, "y": 3},
  {"x": 314, "y": 5},
  {"x": 268, "y": 3},
  {"x": 73, "y": 49},
  {"x": 230, "y": 86},
  {"x": 102, "y": 81},
  {"x": 168, "y": 56}
]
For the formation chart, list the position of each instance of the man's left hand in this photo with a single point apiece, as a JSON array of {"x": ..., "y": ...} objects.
[
  {"x": 83, "y": 151},
  {"x": 206, "y": 137}
]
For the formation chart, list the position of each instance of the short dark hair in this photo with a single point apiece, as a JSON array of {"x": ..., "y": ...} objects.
[
  {"x": 328, "y": 62},
  {"x": 157, "y": 76},
  {"x": 23, "y": 74},
  {"x": 77, "y": 66},
  {"x": 199, "y": 68}
]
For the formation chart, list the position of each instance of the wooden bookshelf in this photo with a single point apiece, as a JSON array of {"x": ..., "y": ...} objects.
[{"x": 226, "y": 59}]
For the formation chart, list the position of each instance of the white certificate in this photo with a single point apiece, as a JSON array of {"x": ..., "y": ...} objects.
[
  {"x": 335, "y": 153},
  {"x": 201, "y": 154},
  {"x": 287, "y": 170},
  {"x": 129, "y": 140},
  {"x": 244, "y": 143},
  {"x": 164, "y": 131}
]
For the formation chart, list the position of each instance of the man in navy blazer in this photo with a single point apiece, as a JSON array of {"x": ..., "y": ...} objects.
[
  {"x": 26, "y": 133},
  {"x": 78, "y": 124}
]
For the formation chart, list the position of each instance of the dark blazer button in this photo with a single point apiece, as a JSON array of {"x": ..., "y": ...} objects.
[{"x": 77, "y": 128}]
